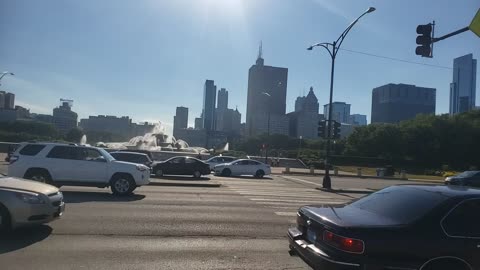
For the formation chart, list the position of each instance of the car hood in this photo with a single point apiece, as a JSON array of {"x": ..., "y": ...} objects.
[
  {"x": 26, "y": 185},
  {"x": 346, "y": 216},
  {"x": 124, "y": 163}
]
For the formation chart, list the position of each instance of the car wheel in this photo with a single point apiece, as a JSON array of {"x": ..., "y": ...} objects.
[
  {"x": 39, "y": 176},
  {"x": 226, "y": 172},
  {"x": 197, "y": 174},
  {"x": 122, "y": 185},
  {"x": 445, "y": 264},
  {"x": 260, "y": 174},
  {"x": 159, "y": 173},
  {"x": 5, "y": 221}
]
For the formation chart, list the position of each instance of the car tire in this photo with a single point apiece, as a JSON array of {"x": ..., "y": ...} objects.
[
  {"x": 39, "y": 175},
  {"x": 226, "y": 172},
  {"x": 6, "y": 222},
  {"x": 122, "y": 185},
  {"x": 197, "y": 174},
  {"x": 260, "y": 174},
  {"x": 159, "y": 173},
  {"x": 445, "y": 264}
]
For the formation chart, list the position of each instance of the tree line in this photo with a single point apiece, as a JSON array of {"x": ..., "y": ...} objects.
[{"x": 427, "y": 141}]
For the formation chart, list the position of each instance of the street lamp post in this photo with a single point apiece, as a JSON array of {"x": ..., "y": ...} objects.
[
  {"x": 332, "y": 49},
  {"x": 5, "y": 73},
  {"x": 299, "y": 146},
  {"x": 268, "y": 125}
]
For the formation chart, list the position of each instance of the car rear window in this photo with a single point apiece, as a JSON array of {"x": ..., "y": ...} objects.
[
  {"x": 31, "y": 149},
  {"x": 402, "y": 204}
]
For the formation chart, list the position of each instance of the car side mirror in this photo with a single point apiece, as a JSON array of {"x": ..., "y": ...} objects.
[{"x": 100, "y": 159}]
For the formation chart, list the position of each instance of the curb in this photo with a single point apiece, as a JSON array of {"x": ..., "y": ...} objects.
[
  {"x": 166, "y": 184},
  {"x": 367, "y": 176}
]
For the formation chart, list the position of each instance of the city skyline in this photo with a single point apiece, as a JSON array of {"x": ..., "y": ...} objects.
[{"x": 115, "y": 67}]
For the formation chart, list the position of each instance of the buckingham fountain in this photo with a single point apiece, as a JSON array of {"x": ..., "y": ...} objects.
[{"x": 160, "y": 144}]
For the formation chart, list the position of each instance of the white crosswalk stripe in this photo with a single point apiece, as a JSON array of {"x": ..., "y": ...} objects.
[{"x": 282, "y": 197}]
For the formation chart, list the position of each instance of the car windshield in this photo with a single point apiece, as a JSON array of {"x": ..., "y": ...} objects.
[
  {"x": 402, "y": 204},
  {"x": 468, "y": 174}
]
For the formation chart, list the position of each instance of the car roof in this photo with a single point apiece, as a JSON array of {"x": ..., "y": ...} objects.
[
  {"x": 223, "y": 157},
  {"x": 449, "y": 191},
  {"x": 53, "y": 143}
]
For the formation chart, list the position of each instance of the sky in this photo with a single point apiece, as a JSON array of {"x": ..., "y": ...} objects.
[{"x": 143, "y": 58}]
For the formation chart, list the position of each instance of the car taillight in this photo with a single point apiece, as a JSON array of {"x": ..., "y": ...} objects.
[
  {"x": 12, "y": 159},
  {"x": 343, "y": 243}
]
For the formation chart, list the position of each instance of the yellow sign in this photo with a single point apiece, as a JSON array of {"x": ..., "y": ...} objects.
[{"x": 475, "y": 24}]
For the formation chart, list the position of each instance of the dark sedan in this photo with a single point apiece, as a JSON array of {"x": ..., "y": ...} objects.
[
  {"x": 468, "y": 178},
  {"x": 181, "y": 166},
  {"x": 401, "y": 227}
]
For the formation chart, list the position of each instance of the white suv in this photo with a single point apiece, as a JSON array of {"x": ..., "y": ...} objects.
[{"x": 69, "y": 164}]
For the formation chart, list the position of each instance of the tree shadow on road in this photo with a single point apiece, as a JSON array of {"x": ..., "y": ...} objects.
[
  {"x": 23, "y": 237},
  {"x": 81, "y": 197}
]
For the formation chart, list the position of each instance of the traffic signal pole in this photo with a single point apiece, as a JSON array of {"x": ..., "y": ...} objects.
[{"x": 465, "y": 29}]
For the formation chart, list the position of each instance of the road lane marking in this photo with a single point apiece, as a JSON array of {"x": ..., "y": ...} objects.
[
  {"x": 301, "y": 180},
  {"x": 286, "y": 214},
  {"x": 298, "y": 201}
]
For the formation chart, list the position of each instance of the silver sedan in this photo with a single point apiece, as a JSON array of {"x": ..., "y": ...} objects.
[{"x": 24, "y": 203}]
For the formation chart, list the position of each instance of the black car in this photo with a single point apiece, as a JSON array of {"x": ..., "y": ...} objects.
[
  {"x": 181, "y": 166},
  {"x": 468, "y": 178},
  {"x": 133, "y": 157},
  {"x": 403, "y": 227}
]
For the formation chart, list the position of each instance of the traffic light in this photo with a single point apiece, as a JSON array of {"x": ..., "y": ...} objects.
[
  {"x": 321, "y": 128},
  {"x": 336, "y": 130},
  {"x": 424, "y": 39}
]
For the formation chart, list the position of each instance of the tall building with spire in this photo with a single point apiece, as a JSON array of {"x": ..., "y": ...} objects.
[{"x": 267, "y": 94}]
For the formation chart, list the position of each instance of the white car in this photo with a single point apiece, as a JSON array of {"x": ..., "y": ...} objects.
[
  {"x": 69, "y": 164},
  {"x": 213, "y": 161},
  {"x": 24, "y": 203},
  {"x": 243, "y": 167}
]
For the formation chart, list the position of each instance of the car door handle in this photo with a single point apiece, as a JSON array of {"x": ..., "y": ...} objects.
[{"x": 478, "y": 246}]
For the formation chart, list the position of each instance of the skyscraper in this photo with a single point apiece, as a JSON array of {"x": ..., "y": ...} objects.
[
  {"x": 198, "y": 123},
  {"x": 209, "y": 99},
  {"x": 393, "y": 103},
  {"x": 304, "y": 120},
  {"x": 64, "y": 118},
  {"x": 222, "y": 100},
  {"x": 358, "y": 120},
  {"x": 340, "y": 111},
  {"x": 9, "y": 101},
  {"x": 2, "y": 99},
  {"x": 463, "y": 87},
  {"x": 180, "y": 120},
  {"x": 267, "y": 94}
]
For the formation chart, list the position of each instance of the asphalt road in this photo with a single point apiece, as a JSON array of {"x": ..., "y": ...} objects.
[{"x": 240, "y": 225}]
